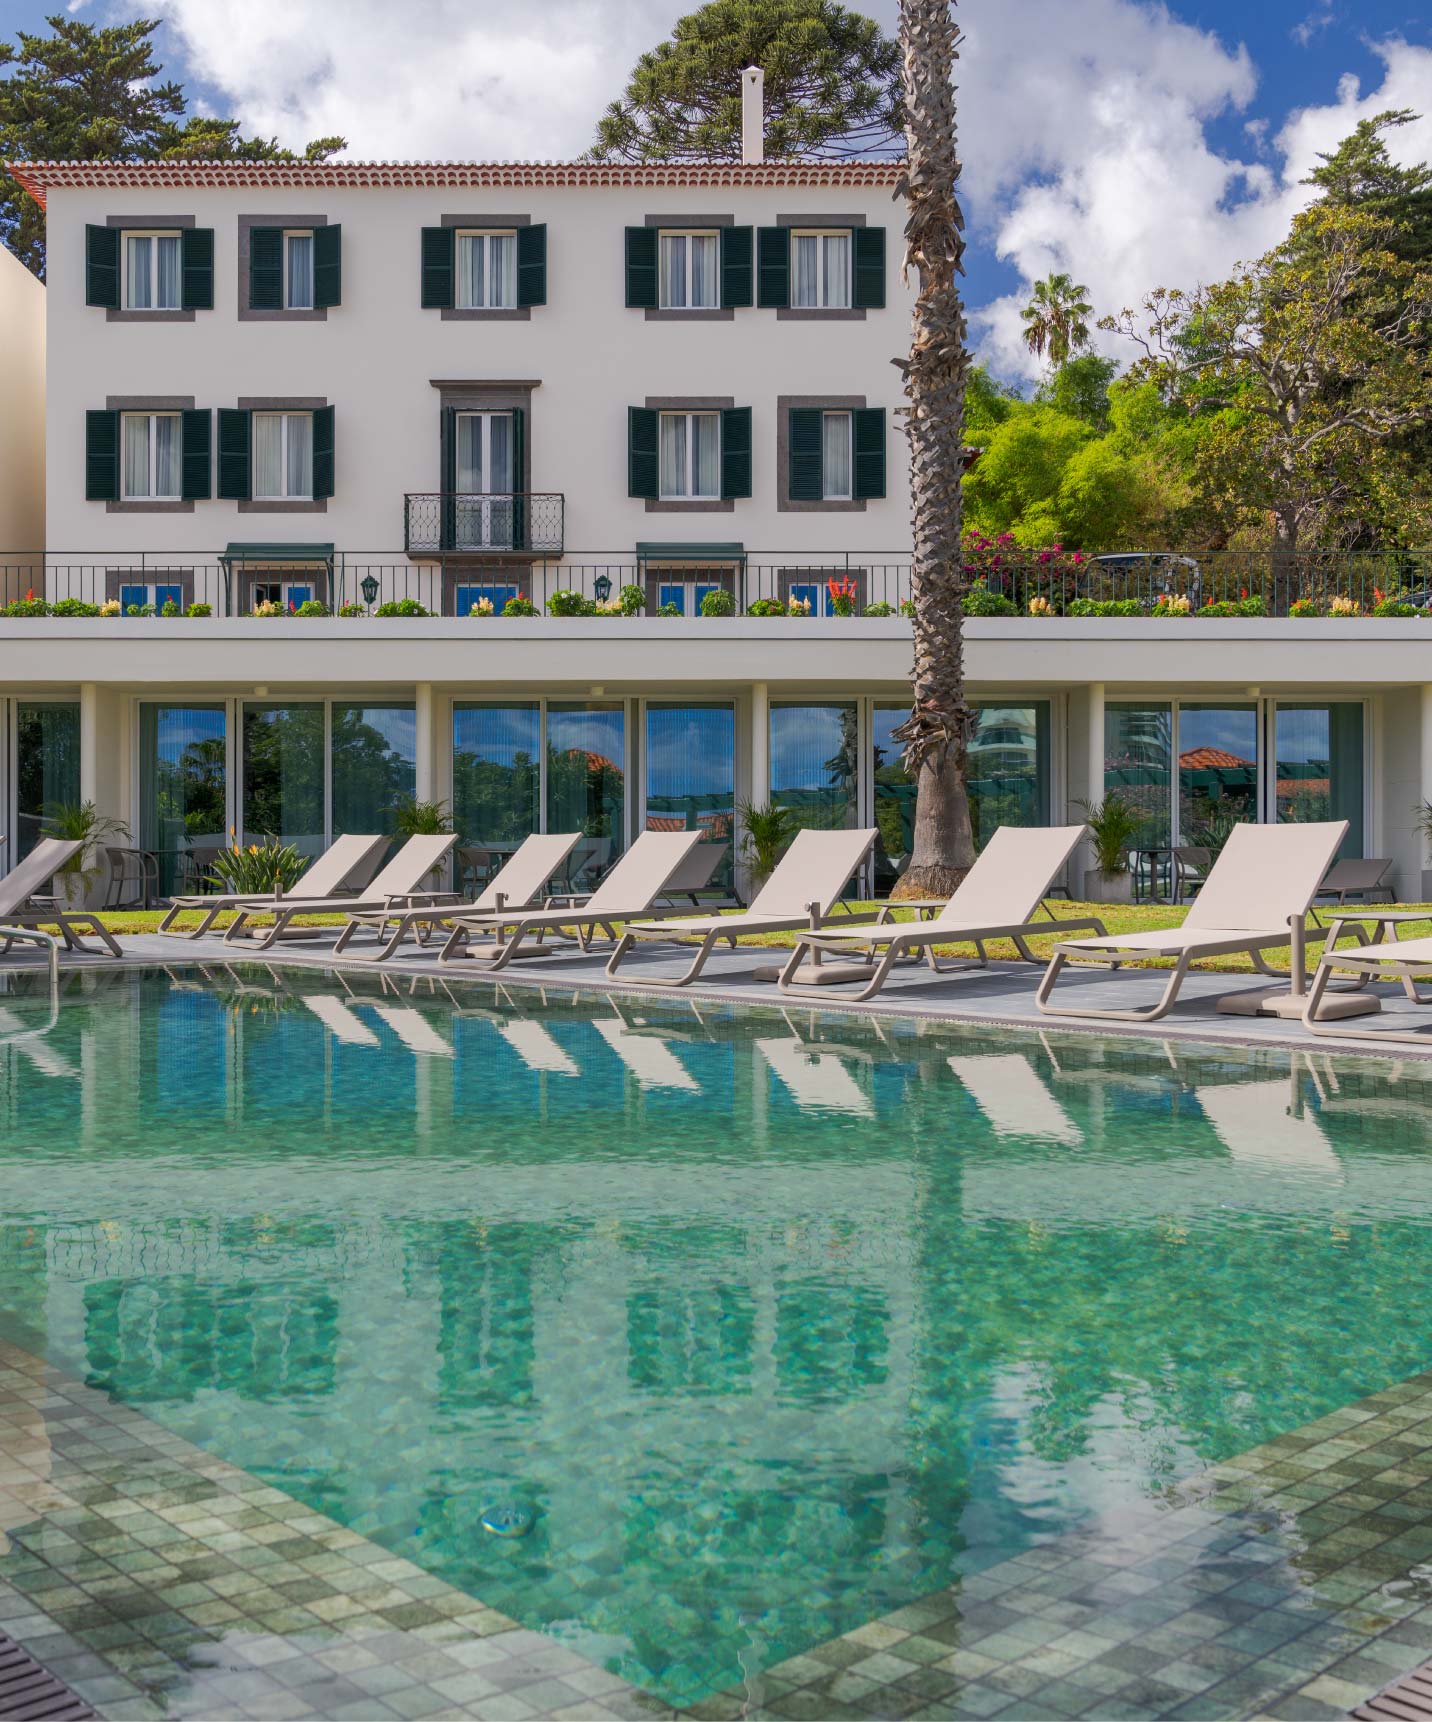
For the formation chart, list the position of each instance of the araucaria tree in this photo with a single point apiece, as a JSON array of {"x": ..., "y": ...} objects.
[
  {"x": 832, "y": 85},
  {"x": 937, "y": 732},
  {"x": 1313, "y": 358}
]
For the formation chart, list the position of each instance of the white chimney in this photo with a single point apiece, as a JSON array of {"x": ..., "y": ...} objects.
[{"x": 753, "y": 114}]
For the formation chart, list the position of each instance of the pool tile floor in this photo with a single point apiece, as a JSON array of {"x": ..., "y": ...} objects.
[{"x": 157, "y": 1580}]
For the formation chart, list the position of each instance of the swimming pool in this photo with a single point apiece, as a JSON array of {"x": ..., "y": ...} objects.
[{"x": 758, "y": 1324}]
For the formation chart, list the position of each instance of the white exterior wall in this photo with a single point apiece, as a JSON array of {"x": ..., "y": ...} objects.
[
  {"x": 375, "y": 356},
  {"x": 22, "y": 413}
]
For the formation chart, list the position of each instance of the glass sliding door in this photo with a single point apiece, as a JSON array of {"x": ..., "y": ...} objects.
[
  {"x": 183, "y": 790},
  {"x": 374, "y": 764},
  {"x": 815, "y": 763},
  {"x": 47, "y": 766},
  {"x": 1318, "y": 766},
  {"x": 586, "y": 781},
  {"x": 496, "y": 784},
  {"x": 283, "y": 761},
  {"x": 691, "y": 773},
  {"x": 1217, "y": 772},
  {"x": 1138, "y": 756}
]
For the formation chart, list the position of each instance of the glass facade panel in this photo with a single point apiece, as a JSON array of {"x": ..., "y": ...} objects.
[
  {"x": 183, "y": 811},
  {"x": 47, "y": 766},
  {"x": 496, "y": 772},
  {"x": 1318, "y": 751},
  {"x": 691, "y": 772},
  {"x": 283, "y": 775},
  {"x": 374, "y": 764},
  {"x": 815, "y": 763},
  {"x": 1217, "y": 772},
  {"x": 586, "y": 780},
  {"x": 1138, "y": 755}
]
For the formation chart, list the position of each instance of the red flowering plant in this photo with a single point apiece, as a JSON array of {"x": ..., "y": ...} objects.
[
  {"x": 842, "y": 595},
  {"x": 1020, "y": 573}
]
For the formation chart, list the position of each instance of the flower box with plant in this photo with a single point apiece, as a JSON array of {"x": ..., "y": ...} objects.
[
  {"x": 171, "y": 607},
  {"x": 257, "y": 869},
  {"x": 564, "y": 602},
  {"x": 980, "y": 601},
  {"x": 1113, "y": 825},
  {"x": 766, "y": 607},
  {"x": 197, "y": 610},
  {"x": 632, "y": 600},
  {"x": 29, "y": 605},
  {"x": 267, "y": 607},
  {"x": 519, "y": 606},
  {"x": 1302, "y": 609},
  {"x": 483, "y": 607},
  {"x": 881, "y": 608},
  {"x": 1173, "y": 604},
  {"x": 842, "y": 595},
  {"x": 1394, "y": 604},
  {"x": 311, "y": 607},
  {"x": 1244, "y": 606},
  {"x": 670, "y": 608},
  {"x": 73, "y": 607},
  {"x": 82, "y": 821},
  {"x": 402, "y": 607},
  {"x": 798, "y": 607},
  {"x": 718, "y": 603},
  {"x": 351, "y": 609},
  {"x": 143, "y": 610},
  {"x": 111, "y": 607},
  {"x": 1040, "y": 606},
  {"x": 1341, "y": 605},
  {"x": 1105, "y": 607}
]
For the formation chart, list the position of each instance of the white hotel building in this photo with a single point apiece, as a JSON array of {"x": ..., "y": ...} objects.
[{"x": 359, "y": 383}]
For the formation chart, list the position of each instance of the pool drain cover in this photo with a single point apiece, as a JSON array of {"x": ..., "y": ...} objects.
[{"x": 507, "y": 1520}]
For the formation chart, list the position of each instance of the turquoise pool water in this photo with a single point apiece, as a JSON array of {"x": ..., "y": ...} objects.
[{"x": 770, "y": 1321}]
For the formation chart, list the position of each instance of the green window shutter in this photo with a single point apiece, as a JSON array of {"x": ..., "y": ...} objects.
[
  {"x": 266, "y": 269},
  {"x": 805, "y": 481},
  {"x": 102, "y": 267},
  {"x": 101, "y": 457},
  {"x": 196, "y": 260},
  {"x": 322, "y": 453},
  {"x": 439, "y": 268},
  {"x": 737, "y": 249},
  {"x": 643, "y": 458},
  {"x": 519, "y": 480},
  {"x": 773, "y": 266},
  {"x": 447, "y": 483},
  {"x": 867, "y": 286},
  {"x": 532, "y": 264},
  {"x": 195, "y": 445},
  {"x": 233, "y": 454},
  {"x": 867, "y": 435},
  {"x": 735, "y": 452},
  {"x": 327, "y": 267},
  {"x": 641, "y": 246}
]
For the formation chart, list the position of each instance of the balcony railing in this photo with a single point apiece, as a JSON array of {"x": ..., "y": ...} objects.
[{"x": 458, "y": 523}]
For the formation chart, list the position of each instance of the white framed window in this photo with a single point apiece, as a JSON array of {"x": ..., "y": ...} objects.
[
  {"x": 283, "y": 457},
  {"x": 820, "y": 269},
  {"x": 835, "y": 456},
  {"x": 690, "y": 450},
  {"x": 483, "y": 473},
  {"x": 689, "y": 271},
  {"x": 287, "y": 594},
  {"x": 298, "y": 270},
  {"x": 151, "y": 457},
  {"x": 486, "y": 270},
  {"x": 152, "y": 271}
]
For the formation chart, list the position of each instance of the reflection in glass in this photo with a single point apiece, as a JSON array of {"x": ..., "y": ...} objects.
[
  {"x": 586, "y": 779},
  {"x": 183, "y": 774},
  {"x": 374, "y": 764},
  {"x": 691, "y": 772},
  {"x": 47, "y": 765},
  {"x": 283, "y": 775},
  {"x": 1217, "y": 772},
  {"x": 1319, "y": 755},
  {"x": 1138, "y": 751},
  {"x": 496, "y": 788},
  {"x": 815, "y": 763}
]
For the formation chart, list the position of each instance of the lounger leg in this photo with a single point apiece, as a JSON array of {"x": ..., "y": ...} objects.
[
  {"x": 456, "y": 940},
  {"x": 235, "y": 927},
  {"x": 102, "y": 933},
  {"x": 341, "y": 943},
  {"x": 685, "y": 978},
  {"x": 624, "y": 944},
  {"x": 281, "y": 919},
  {"x": 1150, "y": 1013},
  {"x": 787, "y": 982}
]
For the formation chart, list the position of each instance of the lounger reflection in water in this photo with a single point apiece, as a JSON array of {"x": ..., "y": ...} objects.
[
  {"x": 411, "y": 1027},
  {"x": 646, "y": 1056},
  {"x": 1014, "y": 1098},
  {"x": 817, "y": 1081},
  {"x": 1264, "y": 1130}
]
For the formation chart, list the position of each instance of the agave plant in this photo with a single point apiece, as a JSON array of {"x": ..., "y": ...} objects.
[{"x": 256, "y": 869}]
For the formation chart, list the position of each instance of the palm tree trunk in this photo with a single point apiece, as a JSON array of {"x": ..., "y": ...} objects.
[{"x": 937, "y": 732}]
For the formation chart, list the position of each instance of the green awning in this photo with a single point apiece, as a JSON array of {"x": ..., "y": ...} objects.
[
  {"x": 691, "y": 552},
  {"x": 271, "y": 553}
]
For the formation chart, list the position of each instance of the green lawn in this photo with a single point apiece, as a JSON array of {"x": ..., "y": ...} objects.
[{"x": 1118, "y": 918}]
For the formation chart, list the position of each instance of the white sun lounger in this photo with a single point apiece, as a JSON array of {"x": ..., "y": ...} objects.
[
  {"x": 999, "y": 898},
  {"x": 324, "y": 877},
  {"x": 398, "y": 886},
  {"x": 801, "y": 892},
  {"x": 537, "y": 860},
  {"x": 1255, "y": 898},
  {"x": 1405, "y": 960},
  {"x": 25, "y": 879},
  {"x": 627, "y": 892}
]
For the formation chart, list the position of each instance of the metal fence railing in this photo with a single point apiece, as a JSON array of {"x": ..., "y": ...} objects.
[{"x": 283, "y": 579}]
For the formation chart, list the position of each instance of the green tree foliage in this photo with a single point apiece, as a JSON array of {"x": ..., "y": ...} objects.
[
  {"x": 831, "y": 85},
  {"x": 91, "y": 93},
  {"x": 1360, "y": 174},
  {"x": 1056, "y": 320},
  {"x": 1080, "y": 388}
]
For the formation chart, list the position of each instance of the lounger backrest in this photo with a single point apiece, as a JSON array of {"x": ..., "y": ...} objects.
[
  {"x": 1011, "y": 875},
  {"x": 525, "y": 872},
  {"x": 1265, "y": 875},
  {"x": 813, "y": 870},
  {"x": 696, "y": 871},
  {"x": 35, "y": 871},
  {"x": 1355, "y": 875},
  {"x": 329, "y": 871},
  {"x": 408, "y": 870},
  {"x": 641, "y": 874}
]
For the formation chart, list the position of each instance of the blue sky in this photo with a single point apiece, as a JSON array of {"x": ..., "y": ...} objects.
[{"x": 1134, "y": 144}]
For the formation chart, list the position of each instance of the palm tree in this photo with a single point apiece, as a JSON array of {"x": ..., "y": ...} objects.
[
  {"x": 937, "y": 732},
  {"x": 1056, "y": 319}
]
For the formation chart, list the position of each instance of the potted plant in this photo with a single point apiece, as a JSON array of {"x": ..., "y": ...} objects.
[
  {"x": 1113, "y": 824},
  {"x": 82, "y": 820},
  {"x": 766, "y": 833},
  {"x": 414, "y": 818},
  {"x": 1424, "y": 825}
]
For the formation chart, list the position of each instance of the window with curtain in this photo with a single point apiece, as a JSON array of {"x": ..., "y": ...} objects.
[
  {"x": 151, "y": 457},
  {"x": 586, "y": 779},
  {"x": 691, "y": 772},
  {"x": 835, "y": 456},
  {"x": 283, "y": 456},
  {"x": 152, "y": 272},
  {"x": 815, "y": 765},
  {"x": 1138, "y": 765},
  {"x": 298, "y": 273},
  {"x": 47, "y": 766},
  {"x": 283, "y": 768},
  {"x": 183, "y": 773},
  {"x": 373, "y": 757},
  {"x": 820, "y": 270},
  {"x": 1318, "y": 751},
  {"x": 496, "y": 772},
  {"x": 688, "y": 270},
  {"x": 690, "y": 456},
  {"x": 487, "y": 271}
]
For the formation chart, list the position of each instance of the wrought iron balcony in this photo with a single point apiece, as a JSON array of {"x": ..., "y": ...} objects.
[{"x": 457, "y": 523}]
